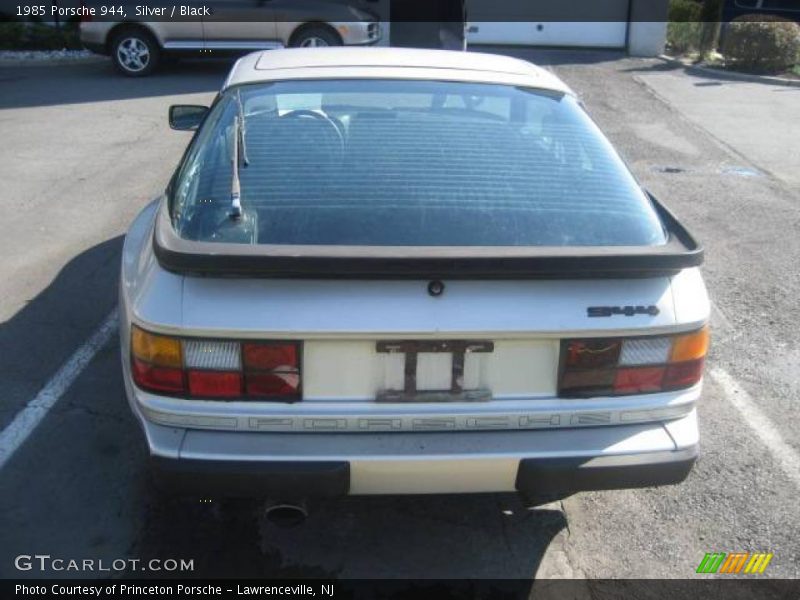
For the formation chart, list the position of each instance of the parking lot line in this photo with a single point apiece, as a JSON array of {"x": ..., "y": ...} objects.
[
  {"x": 786, "y": 456},
  {"x": 26, "y": 421}
]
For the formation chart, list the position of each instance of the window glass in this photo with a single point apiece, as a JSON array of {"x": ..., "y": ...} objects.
[{"x": 409, "y": 163}]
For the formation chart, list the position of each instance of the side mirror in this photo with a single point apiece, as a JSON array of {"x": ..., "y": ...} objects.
[{"x": 186, "y": 117}]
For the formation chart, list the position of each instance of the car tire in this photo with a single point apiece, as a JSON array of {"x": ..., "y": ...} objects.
[
  {"x": 135, "y": 52},
  {"x": 315, "y": 37}
]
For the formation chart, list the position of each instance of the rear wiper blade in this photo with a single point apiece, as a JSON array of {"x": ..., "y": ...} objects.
[
  {"x": 242, "y": 130},
  {"x": 239, "y": 159},
  {"x": 236, "y": 188}
]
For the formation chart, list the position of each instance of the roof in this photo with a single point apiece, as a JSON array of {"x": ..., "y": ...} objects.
[{"x": 390, "y": 63}]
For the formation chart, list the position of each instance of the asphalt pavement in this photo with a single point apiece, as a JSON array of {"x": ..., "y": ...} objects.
[{"x": 84, "y": 150}]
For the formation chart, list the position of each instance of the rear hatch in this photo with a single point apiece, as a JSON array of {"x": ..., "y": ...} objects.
[{"x": 427, "y": 252}]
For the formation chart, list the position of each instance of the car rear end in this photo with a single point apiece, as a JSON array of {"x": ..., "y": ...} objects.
[
  {"x": 389, "y": 340},
  {"x": 289, "y": 385}
]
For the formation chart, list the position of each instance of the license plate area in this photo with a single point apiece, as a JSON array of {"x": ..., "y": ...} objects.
[{"x": 412, "y": 348}]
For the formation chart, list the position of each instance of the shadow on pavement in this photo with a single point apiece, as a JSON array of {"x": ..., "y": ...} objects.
[
  {"x": 99, "y": 82},
  {"x": 658, "y": 66},
  {"x": 70, "y": 489},
  {"x": 552, "y": 56},
  {"x": 91, "y": 497},
  {"x": 43, "y": 334},
  {"x": 710, "y": 77},
  {"x": 410, "y": 537}
]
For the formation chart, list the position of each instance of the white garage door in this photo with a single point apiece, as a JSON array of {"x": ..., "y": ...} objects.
[{"x": 601, "y": 34}]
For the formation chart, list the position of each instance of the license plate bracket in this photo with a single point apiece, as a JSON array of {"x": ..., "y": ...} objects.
[{"x": 411, "y": 348}]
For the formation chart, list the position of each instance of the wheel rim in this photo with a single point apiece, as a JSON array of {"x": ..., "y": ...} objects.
[
  {"x": 133, "y": 54},
  {"x": 313, "y": 42}
]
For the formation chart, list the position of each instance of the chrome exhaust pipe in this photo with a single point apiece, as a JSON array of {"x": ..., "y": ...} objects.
[{"x": 286, "y": 515}]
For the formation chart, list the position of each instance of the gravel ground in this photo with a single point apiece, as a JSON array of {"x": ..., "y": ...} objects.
[{"x": 45, "y": 55}]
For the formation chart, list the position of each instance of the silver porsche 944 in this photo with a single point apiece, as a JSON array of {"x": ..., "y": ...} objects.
[{"x": 386, "y": 271}]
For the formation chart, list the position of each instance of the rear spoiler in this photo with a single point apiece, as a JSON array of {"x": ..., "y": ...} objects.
[{"x": 219, "y": 259}]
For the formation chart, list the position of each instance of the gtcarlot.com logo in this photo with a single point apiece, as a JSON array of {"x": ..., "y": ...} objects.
[
  {"x": 46, "y": 562},
  {"x": 734, "y": 563}
]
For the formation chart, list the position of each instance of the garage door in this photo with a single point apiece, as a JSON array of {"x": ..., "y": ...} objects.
[{"x": 541, "y": 23}]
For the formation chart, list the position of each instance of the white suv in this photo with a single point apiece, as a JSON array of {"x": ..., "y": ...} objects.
[{"x": 136, "y": 46}]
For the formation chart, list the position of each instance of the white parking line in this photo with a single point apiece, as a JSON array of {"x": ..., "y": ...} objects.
[
  {"x": 787, "y": 457},
  {"x": 26, "y": 421}
]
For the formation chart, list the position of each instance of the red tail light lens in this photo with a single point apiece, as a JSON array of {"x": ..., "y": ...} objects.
[
  {"x": 260, "y": 384},
  {"x": 593, "y": 354},
  {"x": 590, "y": 381},
  {"x": 266, "y": 356},
  {"x": 157, "y": 379},
  {"x": 638, "y": 381},
  {"x": 272, "y": 370},
  {"x": 683, "y": 374},
  {"x": 215, "y": 369},
  {"x": 620, "y": 366},
  {"x": 215, "y": 384}
]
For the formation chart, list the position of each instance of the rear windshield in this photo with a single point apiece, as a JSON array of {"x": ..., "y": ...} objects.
[{"x": 408, "y": 163}]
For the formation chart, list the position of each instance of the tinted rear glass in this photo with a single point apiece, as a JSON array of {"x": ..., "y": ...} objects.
[{"x": 409, "y": 163}]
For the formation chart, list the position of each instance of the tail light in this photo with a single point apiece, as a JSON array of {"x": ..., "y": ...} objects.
[
  {"x": 636, "y": 365},
  {"x": 215, "y": 369}
]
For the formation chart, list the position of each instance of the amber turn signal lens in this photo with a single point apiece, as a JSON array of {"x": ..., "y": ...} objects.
[
  {"x": 690, "y": 346},
  {"x": 155, "y": 349}
]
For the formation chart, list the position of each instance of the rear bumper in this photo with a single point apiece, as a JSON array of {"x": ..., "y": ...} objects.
[
  {"x": 248, "y": 478},
  {"x": 550, "y": 463},
  {"x": 536, "y": 477},
  {"x": 359, "y": 33},
  {"x": 560, "y": 476}
]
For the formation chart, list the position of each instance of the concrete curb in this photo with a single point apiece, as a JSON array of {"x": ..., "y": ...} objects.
[
  {"x": 720, "y": 73},
  {"x": 51, "y": 62}
]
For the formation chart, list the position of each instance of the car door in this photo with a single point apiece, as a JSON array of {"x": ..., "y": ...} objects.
[
  {"x": 240, "y": 25},
  {"x": 178, "y": 33}
]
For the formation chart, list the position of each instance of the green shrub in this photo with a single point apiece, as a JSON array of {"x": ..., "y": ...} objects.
[
  {"x": 685, "y": 11},
  {"x": 37, "y": 36},
  {"x": 684, "y": 37},
  {"x": 12, "y": 36},
  {"x": 684, "y": 31},
  {"x": 762, "y": 43}
]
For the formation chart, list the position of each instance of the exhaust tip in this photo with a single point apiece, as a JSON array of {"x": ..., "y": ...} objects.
[{"x": 286, "y": 515}]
